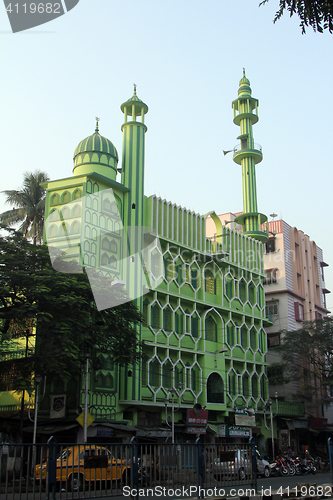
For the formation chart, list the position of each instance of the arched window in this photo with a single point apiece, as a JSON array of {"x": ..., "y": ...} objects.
[
  {"x": 195, "y": 327},
  {"x": 179, "y": 320},
  {"x": 215, "y": 389},
  {"x": 232, "y": 383},
  {"x": 210, "y": 282},
  {"x": 145, "y": 311},
  {"x": 156, "y": 317},
  {"x": 211, "y": 329},
  {"x": 167, "y": 319},
  {"x": 229, "y": 286},
  {"x": 54, "y": 199},
  {"x": 167, "y": 375},
  {"x": 155, "y": 373},
  {"x": 231, "y": 334}
]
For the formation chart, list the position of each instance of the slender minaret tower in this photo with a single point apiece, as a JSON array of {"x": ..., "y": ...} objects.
[
  {"x": 248, "y": 154},
  {"x": 132, "y": 177},
  {"x": 133, "y": 158}
]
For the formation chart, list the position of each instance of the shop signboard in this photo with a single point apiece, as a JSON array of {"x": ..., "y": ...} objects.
[
  {"x": 223, "y": 430},
  {"x": 196, "y": 430},
  {"x": 245, "y": 420},
  {"x": 238, "y": 431},
  {"x": 197, "y": 418}
]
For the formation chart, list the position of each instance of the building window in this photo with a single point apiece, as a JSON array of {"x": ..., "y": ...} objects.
[
  {"x": 272, "y": 309},
  {"x": 270, "y": 276},
  {"x": 167, "y": 319},
  {"x": 168, "y": 269},
  {"x": 253, "y": 338},
  {"x": 167, "y": 375},
  {"x": 231, "y": 334},
  {"x": 194, "y": 276},
  {"x": 299, "y": 311},
  {"x": 195, "y": 326},
  {"x": 210, "y": 282},
  {"x": 232, "y": 384},
  {"x": 215, "y": 389},
  {"x": 211, "y": 329},
  {"x": 156, "y": 317},
  {"x": 155, "y": 373},
  {"x": 145, "y": 312},
  {"x": 180, "y": 275},
  {"x": 179, "y": 320},
  {"x": 270, "y": 245},
  {"x": 242, "y": 291},
  {"x": 273, "y": 339}
]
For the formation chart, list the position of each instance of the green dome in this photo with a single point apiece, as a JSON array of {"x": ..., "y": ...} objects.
[{"x": 97, "y": 150}]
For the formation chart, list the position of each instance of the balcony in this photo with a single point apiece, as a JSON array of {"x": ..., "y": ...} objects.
[
  {"x": 17, "y": 354},
  {"x": 242, "y": 151},
  {"x": 288, "y": 409},
  {"x": 269, "y": 281}
]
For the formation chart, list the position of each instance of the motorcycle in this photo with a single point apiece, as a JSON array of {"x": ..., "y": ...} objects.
[
  {"x": 279, "y": 467},
  {"x": 305, "y": 465}
]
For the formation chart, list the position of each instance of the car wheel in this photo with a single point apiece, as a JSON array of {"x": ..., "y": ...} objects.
[
  {"x": 75, "y": 482},
  {"x": 241, "y": 474},
  {"x": 267, "y": 472}
]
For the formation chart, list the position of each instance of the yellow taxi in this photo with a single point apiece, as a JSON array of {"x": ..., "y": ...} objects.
[{"x": 77, "y": 465}]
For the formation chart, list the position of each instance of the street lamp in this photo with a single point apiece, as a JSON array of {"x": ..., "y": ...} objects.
[
  {"x": 270, "y": 403},
  {"x": 173, "y": 392},
  {"x": 38, "y": 379}
]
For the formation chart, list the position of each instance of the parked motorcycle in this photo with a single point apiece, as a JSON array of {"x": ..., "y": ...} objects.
[
  {"x": 305, "y": 466},
  {"x": 279, "y": 467}
]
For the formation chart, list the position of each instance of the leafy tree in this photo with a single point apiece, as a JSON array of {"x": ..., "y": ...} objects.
[
  {"x": 307, "y": 356},
  {"x": 315, "y": 13},
  {"x": 28, "y": 206},
  {"x": 58, "y": 310}
]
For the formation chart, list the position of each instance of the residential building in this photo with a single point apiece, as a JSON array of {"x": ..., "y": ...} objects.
[{"x": 295, "y": 292}]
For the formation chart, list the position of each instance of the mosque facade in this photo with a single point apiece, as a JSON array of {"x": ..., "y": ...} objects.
[{"x": 202, "y": 299}]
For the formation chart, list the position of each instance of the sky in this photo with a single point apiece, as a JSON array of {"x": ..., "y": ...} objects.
[{"x": 186, "y": 58}]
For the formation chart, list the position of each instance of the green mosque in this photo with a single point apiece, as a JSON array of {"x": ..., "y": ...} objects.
[{"x": 202, "y": 299}]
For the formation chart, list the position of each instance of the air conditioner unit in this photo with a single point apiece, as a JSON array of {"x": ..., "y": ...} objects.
[{"x": 58, "y": 406}]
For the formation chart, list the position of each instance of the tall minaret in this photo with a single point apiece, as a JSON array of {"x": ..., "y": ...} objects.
[
  {"x": 132, "y": 177},
  {"x": 133, "y": 158},
  {"x": 247, "y": 154}
]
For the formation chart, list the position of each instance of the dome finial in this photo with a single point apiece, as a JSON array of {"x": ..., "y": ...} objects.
[
  {"x": 97, "y": 128},
  {"x": 244, "y": 72},
  {"x": 134, "y": 88}
]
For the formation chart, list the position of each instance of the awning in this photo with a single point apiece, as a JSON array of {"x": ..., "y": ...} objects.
[
  {"x": 50, "y": 429},
  {"x": 295, "y": 423}
]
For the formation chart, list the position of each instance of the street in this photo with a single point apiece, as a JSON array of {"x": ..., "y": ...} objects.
[{"x": 291, "y": 481}]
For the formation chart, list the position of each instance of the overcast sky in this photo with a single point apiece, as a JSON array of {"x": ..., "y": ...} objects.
[{"x": 186, "y": 57}]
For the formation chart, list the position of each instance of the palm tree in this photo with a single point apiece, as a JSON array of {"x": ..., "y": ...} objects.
[{"x": 29, "y": 206}]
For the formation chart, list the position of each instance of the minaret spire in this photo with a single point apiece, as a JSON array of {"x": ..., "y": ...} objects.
[
  {"x": 248, "y": 154},
  {"x": 97, "y": 126}
]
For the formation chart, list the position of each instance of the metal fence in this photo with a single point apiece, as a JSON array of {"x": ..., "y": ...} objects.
[{"x": 59, "y": 472}]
